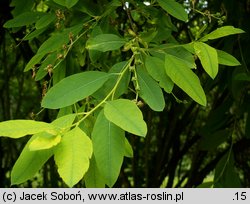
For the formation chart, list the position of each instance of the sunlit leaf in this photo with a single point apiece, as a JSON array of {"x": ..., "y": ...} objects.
[
  {"x": 125, "y": 114},
  {"x": 20, "y": 128},
  {"x": 29, "y": 162},
  {"x": 208, "y": 57},
  {"x": 44, "y": 142},
  {"x": 185, "y": 78},
  {"x": 72, "y": 156},
  {"x": 227, "y": 59},
  {"x": 222, "y": 32}
]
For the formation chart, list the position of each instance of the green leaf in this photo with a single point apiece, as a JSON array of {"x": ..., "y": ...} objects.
[
  {"x": 222, "y": 32},
  {"x": 29, "y": 162},
  {"x": 155, "y": 67},
  {"x": 225, "y": 175},
  {"x": 109, "y": 147},
  {"x": 57, "y": 40},
  {"x": 45, "y": 20},
  {"x": 48, "y": 61},
  {"x": 74, "y": 88},
  {"x": 93, "y": 177},
  {"x": 178, "y": 51},
  {"x": 64, "y": 122},
  {"x": 45, "y": 141},
  {"x": 19, "y": 128},
  {"x": 95, "y": 55},
  {"x": 105, "y": 42},
  {"x": 128, "y": 149},
  {"x": 34, "y": 34},
  {"x": 125, "y": 114},
  {"x": 66, "y": 3},
  {"x": 72, "y": 156},
  {"x": 24, "y": 19},
  {"x": 150, "y": 91},
  {"x": 227, "y": 59},
  {"x": 64, "y": 111},
  {"x": 184, "y": 77},
  {"x": 33, "y": 61},
  {"x": 174, "y": 9},
  {"x": 60, "y": 72},
  {"x": 208, "y": 57},
  {"x": 109, "y": 85}
]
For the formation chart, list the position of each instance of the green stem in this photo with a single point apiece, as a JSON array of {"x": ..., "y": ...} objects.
[{"x": 110, "y": 94}]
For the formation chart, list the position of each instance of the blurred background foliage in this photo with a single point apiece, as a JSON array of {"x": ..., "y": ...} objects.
[{"x": 187, "y": 145}]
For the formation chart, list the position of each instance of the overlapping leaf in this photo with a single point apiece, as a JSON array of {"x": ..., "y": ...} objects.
[
  {"x": 46, "y": 141},
  {"x": 24, "y": 19},
  {"x": 20, "y": 128},
  {"x": 55, "y": 42},
  {"x": 185, "y": 78},
  {"x": 156, "y": 68},
  {"x": 29, "y": 162},
  {"x": 45, "y": 20},
  {"x": 72, "y": 156},
  {"x": 109, "y": 147},
  {"x": 125, "y": 114},
  {"x": 150, "y": 91},
  {"x": 93, "y": 178},
  {"x": 208, "y": 57}
]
